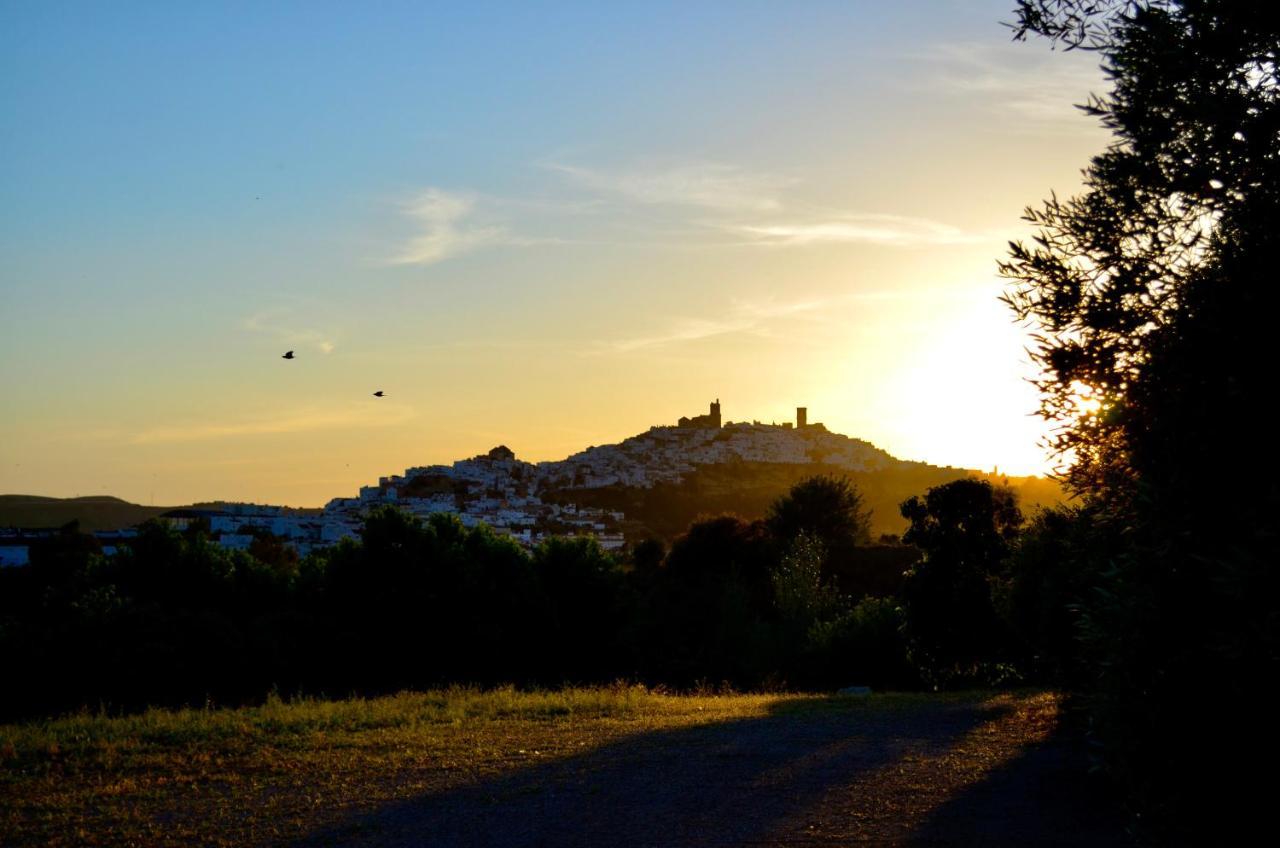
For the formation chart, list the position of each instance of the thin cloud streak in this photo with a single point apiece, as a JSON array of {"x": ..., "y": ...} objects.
[
  {"x": 892, "y": 230},
  {"x": 751, "y": 207},
  {"x": 267, "y": 322},
  {"x": 746, "y": 317},
  {"x": 756, "y": 317},
  {"x": 735, "y": 201},
  {"x": 706, "y": 185},
  {"x": 687, "y": 330},
  {"x": 1040, "y": 91},
  {"x": 297, "y": 421}
]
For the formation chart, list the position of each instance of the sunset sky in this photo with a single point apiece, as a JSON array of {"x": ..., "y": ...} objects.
[{"x": 548, "y": 225}]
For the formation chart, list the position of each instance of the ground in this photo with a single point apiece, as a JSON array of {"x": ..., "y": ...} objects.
[{"x": 600, "y": 767}]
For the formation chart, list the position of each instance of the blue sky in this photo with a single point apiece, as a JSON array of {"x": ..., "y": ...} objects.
[{"x": 545, "y": 224}]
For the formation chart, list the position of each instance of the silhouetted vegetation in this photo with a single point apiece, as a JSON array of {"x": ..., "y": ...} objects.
[
  {"x": 173, "y": 618},
  {"x": 964, "y": 530},
  {"x": 829, "y": 509},
  {"x": 749, "y": 489},
  {"x": 800, "y": 600},
  {"x": 1152, "y": 293}
]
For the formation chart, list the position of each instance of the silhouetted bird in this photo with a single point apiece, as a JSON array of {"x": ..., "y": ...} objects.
[
  {"x": 378, "y": 393},
  {"x": 288, "y": 355}
]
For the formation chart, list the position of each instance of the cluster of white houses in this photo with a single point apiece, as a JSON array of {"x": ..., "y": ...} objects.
[{"x": 519, "y": 499}]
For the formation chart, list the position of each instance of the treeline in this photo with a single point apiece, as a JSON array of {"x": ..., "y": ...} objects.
[
  {"x": 799, "y": 599},
  {"x": 666, "y": 509}
]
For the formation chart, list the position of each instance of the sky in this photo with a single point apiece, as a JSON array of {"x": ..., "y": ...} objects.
[{"x": 546, "y": 225}]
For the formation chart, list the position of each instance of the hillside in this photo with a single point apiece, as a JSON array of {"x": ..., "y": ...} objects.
[
  {"x": 95, "y": 512},
  {"x": 665, "y": 509},
  {"x": 652, "y": 484}
]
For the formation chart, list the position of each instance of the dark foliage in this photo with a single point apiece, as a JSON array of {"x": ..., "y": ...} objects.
[
  {"x": 964, "y": 530},
  {"x": 1052, "y": 574},
  {"x": 176, "y": 619},
  {"x": 707, "y": 617},
  {"x": 748, "y": 489},
  {"x": 830, "y": 509},
  {"x": 1153, "y": 292}
]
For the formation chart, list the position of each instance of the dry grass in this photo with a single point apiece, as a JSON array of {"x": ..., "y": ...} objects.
[
  {"x": 261, "y": 774},
  {"x": 270, "y": 774}
]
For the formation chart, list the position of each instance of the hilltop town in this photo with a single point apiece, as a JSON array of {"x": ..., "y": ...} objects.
[
  {"x": 510, "y": 495},
  {"x": 526, "y": 501}
]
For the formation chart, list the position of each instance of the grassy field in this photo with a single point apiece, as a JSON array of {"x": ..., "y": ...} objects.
[
  {"x": 235, "y": 776},
  {"x": 283, "y": 770}
]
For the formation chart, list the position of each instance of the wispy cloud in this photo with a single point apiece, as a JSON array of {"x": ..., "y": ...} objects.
[
  {"x": 893, "y": 230},
  {"x": 273, "y": 322},
  {"x": 1037, "y": 88},
  {"x": 742, "y": 317},
  {"x": 687, "y": 204},
  {"x": 762, "y": 317},
  {"x": 685, "y": 330},
  {"x": 753, "y": 207},
  {"x": 293, "y": 421},
  {"x": 447, "y": 228},
  {"x": 706, "y": 185}
]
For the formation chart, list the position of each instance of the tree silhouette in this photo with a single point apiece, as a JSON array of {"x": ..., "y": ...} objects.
[
  {"x": 964, "y": 529},
  {"x": 830, "y": 509},
  {"x": 1195, "y": 110},
  {"x": 1153, "y": 294}
]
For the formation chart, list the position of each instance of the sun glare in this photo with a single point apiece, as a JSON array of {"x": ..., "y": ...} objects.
[{"x": 1085, "y": 399}]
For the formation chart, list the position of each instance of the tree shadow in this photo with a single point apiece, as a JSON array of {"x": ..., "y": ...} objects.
[
  {"x": 1047, "y": 795},
  {"x": 730, "y": 783}
]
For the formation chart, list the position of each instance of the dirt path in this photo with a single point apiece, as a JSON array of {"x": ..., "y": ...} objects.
[{"x": 1003, "y": 771}]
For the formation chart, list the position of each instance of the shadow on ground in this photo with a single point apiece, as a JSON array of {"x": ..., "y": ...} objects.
[
  {"x": 761, "y": 781},
  {"x": 1045, "y": 795}
]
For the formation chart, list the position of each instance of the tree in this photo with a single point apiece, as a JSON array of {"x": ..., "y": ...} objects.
[
  {"x": 1152, "y": 295},
  {"x": 964, "y": 529},
  {"x": 707, "y": 615},
  {"x": 1195, "y": 111},
  {"x": 831, "y": 509}
]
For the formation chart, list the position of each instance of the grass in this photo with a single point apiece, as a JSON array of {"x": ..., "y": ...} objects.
[
  {"x": 271, "y": 772},
  {"x": 274, "y": 772}
]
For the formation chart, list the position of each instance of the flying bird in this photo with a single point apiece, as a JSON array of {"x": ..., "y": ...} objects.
[
  {"x": 378, "y": 393},
  {"x": 288, "y": 355}
]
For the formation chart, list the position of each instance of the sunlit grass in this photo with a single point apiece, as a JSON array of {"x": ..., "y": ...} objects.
[
  {"x": 274, "y": 772},
  {"x": 270, "y": 772}
]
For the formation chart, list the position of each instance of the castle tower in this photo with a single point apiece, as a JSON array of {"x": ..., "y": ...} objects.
[
  {"x": 715, "y": 413},
  {"x": 802, "y": 417}
]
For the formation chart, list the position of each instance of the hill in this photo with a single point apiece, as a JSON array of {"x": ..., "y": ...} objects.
[
  {"x": 652, "y": 484},
  {"x": 94, "y": 512}
]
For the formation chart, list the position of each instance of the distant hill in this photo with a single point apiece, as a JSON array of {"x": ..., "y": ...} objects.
[
  {"x": 666, "y": 477},
  {"x": 96, "y": 512},
  {"x": 659, "y": 481}
]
